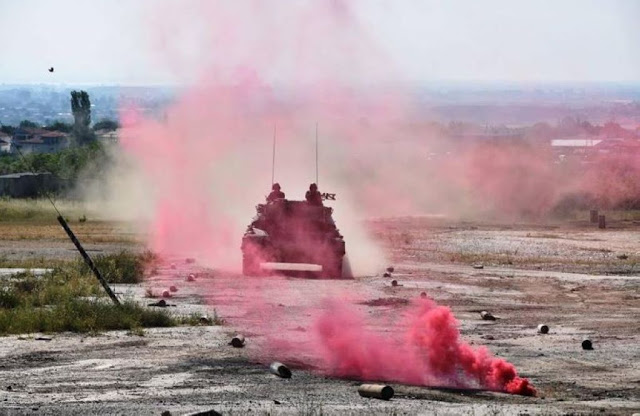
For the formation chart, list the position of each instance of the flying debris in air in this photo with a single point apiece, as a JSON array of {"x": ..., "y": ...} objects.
[{"x": 51, "y": 69}]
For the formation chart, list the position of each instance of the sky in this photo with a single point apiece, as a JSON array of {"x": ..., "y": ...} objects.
[{"x": 115, "y": 41}]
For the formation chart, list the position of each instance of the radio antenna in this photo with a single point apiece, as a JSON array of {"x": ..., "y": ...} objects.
[
  {"x": 273, "y": 158},
  {"x": 316, "y": 153}
]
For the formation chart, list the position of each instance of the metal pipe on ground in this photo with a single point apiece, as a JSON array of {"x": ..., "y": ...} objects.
[
  {"x": 237, "y": 341},
  {"x": 543, "y": 329},
  {"x": 87, "y": 259},
  {"x": 377, "y": 391},
  {"x": 280, "y": 370}
]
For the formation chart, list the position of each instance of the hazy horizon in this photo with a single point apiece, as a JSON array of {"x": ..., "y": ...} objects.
[{"x": 116, "y": 42}]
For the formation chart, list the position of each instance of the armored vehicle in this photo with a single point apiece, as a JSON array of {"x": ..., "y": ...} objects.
[{"x": 293, "y": 236}]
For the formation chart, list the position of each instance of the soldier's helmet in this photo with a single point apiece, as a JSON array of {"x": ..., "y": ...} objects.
[
  {"x": 275, "y": 186},
  {"x": 313, "y": 187}
]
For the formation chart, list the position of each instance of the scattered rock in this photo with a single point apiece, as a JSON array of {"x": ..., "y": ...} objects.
[
  {"x": 587, "y": 345},
  {"x": 173, "y": 288},
  {"x": 9, "y": 388},
  {"x": 478, "y": 266},
  {"x": 166, "y": 294},
  {"x": 394, "y": 283},
  {"x": 390, "y": 269},
  {"x": 191, "y": 278},
  {"x": 623, "y": 257},
  {"x": 276, "y": 402},
  {"x": 205, "y": 320},
  {"x": 386, "y": 275}
]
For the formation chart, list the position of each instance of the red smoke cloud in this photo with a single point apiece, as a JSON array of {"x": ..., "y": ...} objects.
[{"x": 430, "y": 351}]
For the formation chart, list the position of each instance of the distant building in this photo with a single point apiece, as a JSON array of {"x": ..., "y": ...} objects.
[
  {"x": 574, "y": 143},
  {"x": 584, "y": 148},
  {"x": 107, "y": 136},
  {"x": 39, "y": 141}
]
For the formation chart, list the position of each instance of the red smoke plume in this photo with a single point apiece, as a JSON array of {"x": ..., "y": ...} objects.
[{"x": 430, "y": 352}]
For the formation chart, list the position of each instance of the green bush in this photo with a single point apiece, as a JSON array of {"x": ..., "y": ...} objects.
[
  {"x": 69, "y": 298},
  {"x": 123, "y": 267}
]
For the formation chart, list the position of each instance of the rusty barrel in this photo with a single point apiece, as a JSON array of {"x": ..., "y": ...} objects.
[
  {"x": 280, "y": 370},
  {"x": 378, "y": 391}
]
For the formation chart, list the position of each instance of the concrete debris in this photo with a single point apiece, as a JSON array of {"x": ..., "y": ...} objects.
[
  {"x": 378, "y": 391},
  {"x": 237, "y": 341},
  {"x": 587, "y": 345},
  {"x": 390, "y": 269},
  {"x": 166, "y": 294},
  {"x": 280, "y": 370},
  {"x": 543, "y": 329},
  {"x": 487, "y": 316},
  {"x": 191, "y": 277},
  {"x": 386, "y": 274},
  {"x": 205, "y": 320},
  {"x": 173, "y": 288}
]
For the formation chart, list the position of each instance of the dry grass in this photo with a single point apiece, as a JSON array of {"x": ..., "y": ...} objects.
[{"x": 35, "y": 219}]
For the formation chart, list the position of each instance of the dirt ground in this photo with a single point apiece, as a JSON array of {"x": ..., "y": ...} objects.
[{"x": 581, "y": 281}]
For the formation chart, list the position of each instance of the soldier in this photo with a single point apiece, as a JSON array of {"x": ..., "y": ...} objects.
[
  {"x": 313, "y": 196},
  {"x": 276, "y": 193}
]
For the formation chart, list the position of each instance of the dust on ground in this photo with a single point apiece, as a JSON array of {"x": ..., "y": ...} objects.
[{"x": 581, "y": 281}]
